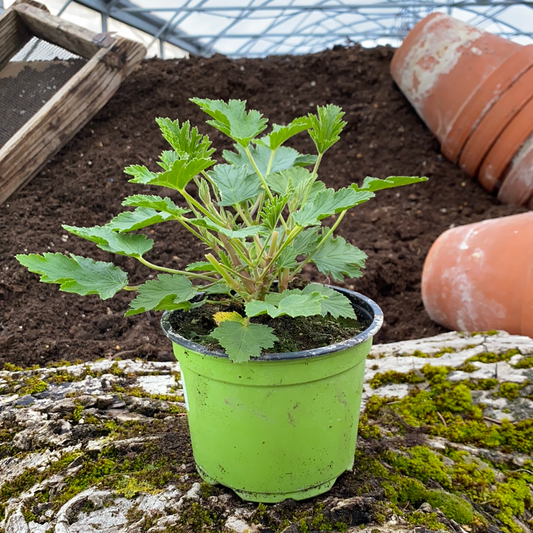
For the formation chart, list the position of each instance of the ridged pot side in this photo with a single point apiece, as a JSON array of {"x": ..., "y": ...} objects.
[
  {"x": 441, "y": 63},
  {"x": 282, "y": 425},
  {"x": 481, "y": 101},
  {"x": 517, "y": 186},
  {"x": 480, "y": 276},
  {"x": 512, "y": 138},
  {"x": 495, "y": 121}
]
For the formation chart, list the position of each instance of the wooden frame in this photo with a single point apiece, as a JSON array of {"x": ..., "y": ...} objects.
[{"x": 110, "y": 60}]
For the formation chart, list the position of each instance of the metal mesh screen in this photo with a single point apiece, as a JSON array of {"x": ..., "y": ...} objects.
[{"x": 30, "y": 79}]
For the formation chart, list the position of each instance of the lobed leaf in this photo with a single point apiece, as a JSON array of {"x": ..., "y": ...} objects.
[
  {"x": 328, "y": 202},
  {"x": 272, "y": 211},
  {"x": 243, "y": 341},
  {"x": 326, "y": 126},
  {"x": 290, "y": 302},
  {"x": 188, "y": 143},
  {"x": 232, "y": 119},
  {"x": 140, "y": 218},
  {"x": 232, "y": 316},
  {"x": 111, "y": 241},
  {"x": 376, "y": 184},
  {"x": 334, "y": 302},
  {"x": 177, "y": 177},
  {"x": 140, "y": 174},
  {"x": 76, "y": 274},
  {"x": 235, "y": 183},
  {"x": 201, "y": 266},
  {"x": 337, "y": 258},
  {"x": 284, "y": 158},
  {"x": 165, "y": 293},
  {"x": 155, "y": 202},
  {"x": 280, "y": 134},
  {"x": 306, "y": 241},
  {"x": 167, "y": 158}
]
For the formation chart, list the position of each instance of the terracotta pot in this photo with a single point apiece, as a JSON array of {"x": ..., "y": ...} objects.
[
  {"x": 480, "y": 276},
  {"x": 495, "y": 121},
  {"x": 506, "y": 147},
  {"x": 517, "y": 186},
  {"x": 441, "y": 63},
  {"x": 478, "y": 104}
]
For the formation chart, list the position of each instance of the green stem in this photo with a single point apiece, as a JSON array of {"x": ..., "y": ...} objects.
[
  {"x": 131, "y": 288},
  {"x": 320, "y": 244},
  {"x": 200, "y": 207},
  {"x": 173, "y": 271},
  {"x": 313, "y": 178},
  {"x": 290, "y": 237},
  {"x": 261, "y": 177}
]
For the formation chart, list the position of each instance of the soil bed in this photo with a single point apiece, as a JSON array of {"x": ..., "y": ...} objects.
[{"x": 84, "y": 185}]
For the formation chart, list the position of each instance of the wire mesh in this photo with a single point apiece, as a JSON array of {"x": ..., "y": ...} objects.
[{"x": 30, "y": 79}]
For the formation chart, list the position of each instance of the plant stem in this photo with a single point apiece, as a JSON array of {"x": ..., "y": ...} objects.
[
  {"x": 320, "y": 244},
  {"x": 173, "y": 271},
  {"x": 313, "y": 178}
]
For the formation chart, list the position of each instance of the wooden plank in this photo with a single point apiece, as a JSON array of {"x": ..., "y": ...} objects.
[
  {"x": 58, "y": 31},
  {"x": 13, "y": 35},
  {"x": 64, "y": 115}
]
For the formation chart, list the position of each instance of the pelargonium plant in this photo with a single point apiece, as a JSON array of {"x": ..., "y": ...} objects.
[{"x": 260, "y": 215}]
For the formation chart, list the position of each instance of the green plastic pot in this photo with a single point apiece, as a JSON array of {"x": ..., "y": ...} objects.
[{"x": 280, "y": 426}]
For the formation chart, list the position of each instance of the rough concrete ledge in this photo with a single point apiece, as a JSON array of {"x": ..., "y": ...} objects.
[{"x": 104, "y": 447}]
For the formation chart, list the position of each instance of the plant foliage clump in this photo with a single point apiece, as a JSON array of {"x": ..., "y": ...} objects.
[{"x": 260, "y": 214}]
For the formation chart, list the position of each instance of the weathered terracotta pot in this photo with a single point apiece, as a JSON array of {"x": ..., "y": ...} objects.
[
  {"x": 506, "y": 147},
  {"x": 481, "y": 101},
  {"x": 442, "y": 63},
  {"x": 517, "y": 187},
  {"x": 480, "y": 276},
  {"x": 495, "y": 121}
]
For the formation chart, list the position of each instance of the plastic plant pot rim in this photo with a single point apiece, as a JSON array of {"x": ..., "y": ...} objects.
[{"x": 365, "y": 309}]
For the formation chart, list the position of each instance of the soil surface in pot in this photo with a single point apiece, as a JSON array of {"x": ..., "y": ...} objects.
[{"x": 84, "y": 185}]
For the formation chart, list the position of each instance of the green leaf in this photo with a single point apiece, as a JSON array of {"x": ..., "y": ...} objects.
[
  {"x": 167, "y": 158},
  {"x": 232, "y": 119},
  {"x": 290, "y": 181},
  {"x": 218, "y": 288},
  {"x": 155, "y": 202},
  {"x": 236, "y": 184},
  {"x": 280, "y": 134},
  {"x": 242, "y": 342},
  {"x": 239, "y": 233},
  {"x": 334, "y": 302},
  {"x": 326, "y": 126},
  {"x": 201, "y": 266},
  {"x": 287, "y": 258},
  {"x": 305, "y": 160},
  {"x": 177, "y": 177},
  {"x": 76, "y": 274},
  {"x": 337, "y": 258},
  {"x": 329, "y": 202},
  {"x": 111, "y": 241},
  {"x": 376, "y": 184},
  {"x": 272, "y": 211},
  {"x": 187, "y": 142},
  {"x": 140, "y": 218},
  {"x": 290, "y": 302},
  {"x": 165, "y": 293},
  {"x": 284, "y": 158},
  {"x": 140, "y": 174},
  {"x": 306, "y": 241}
]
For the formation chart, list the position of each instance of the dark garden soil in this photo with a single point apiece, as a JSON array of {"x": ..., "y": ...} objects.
[{"x": 84, "y": 185}]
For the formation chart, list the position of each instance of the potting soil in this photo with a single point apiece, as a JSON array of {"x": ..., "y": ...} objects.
[{"x": 84, "y": 185}]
